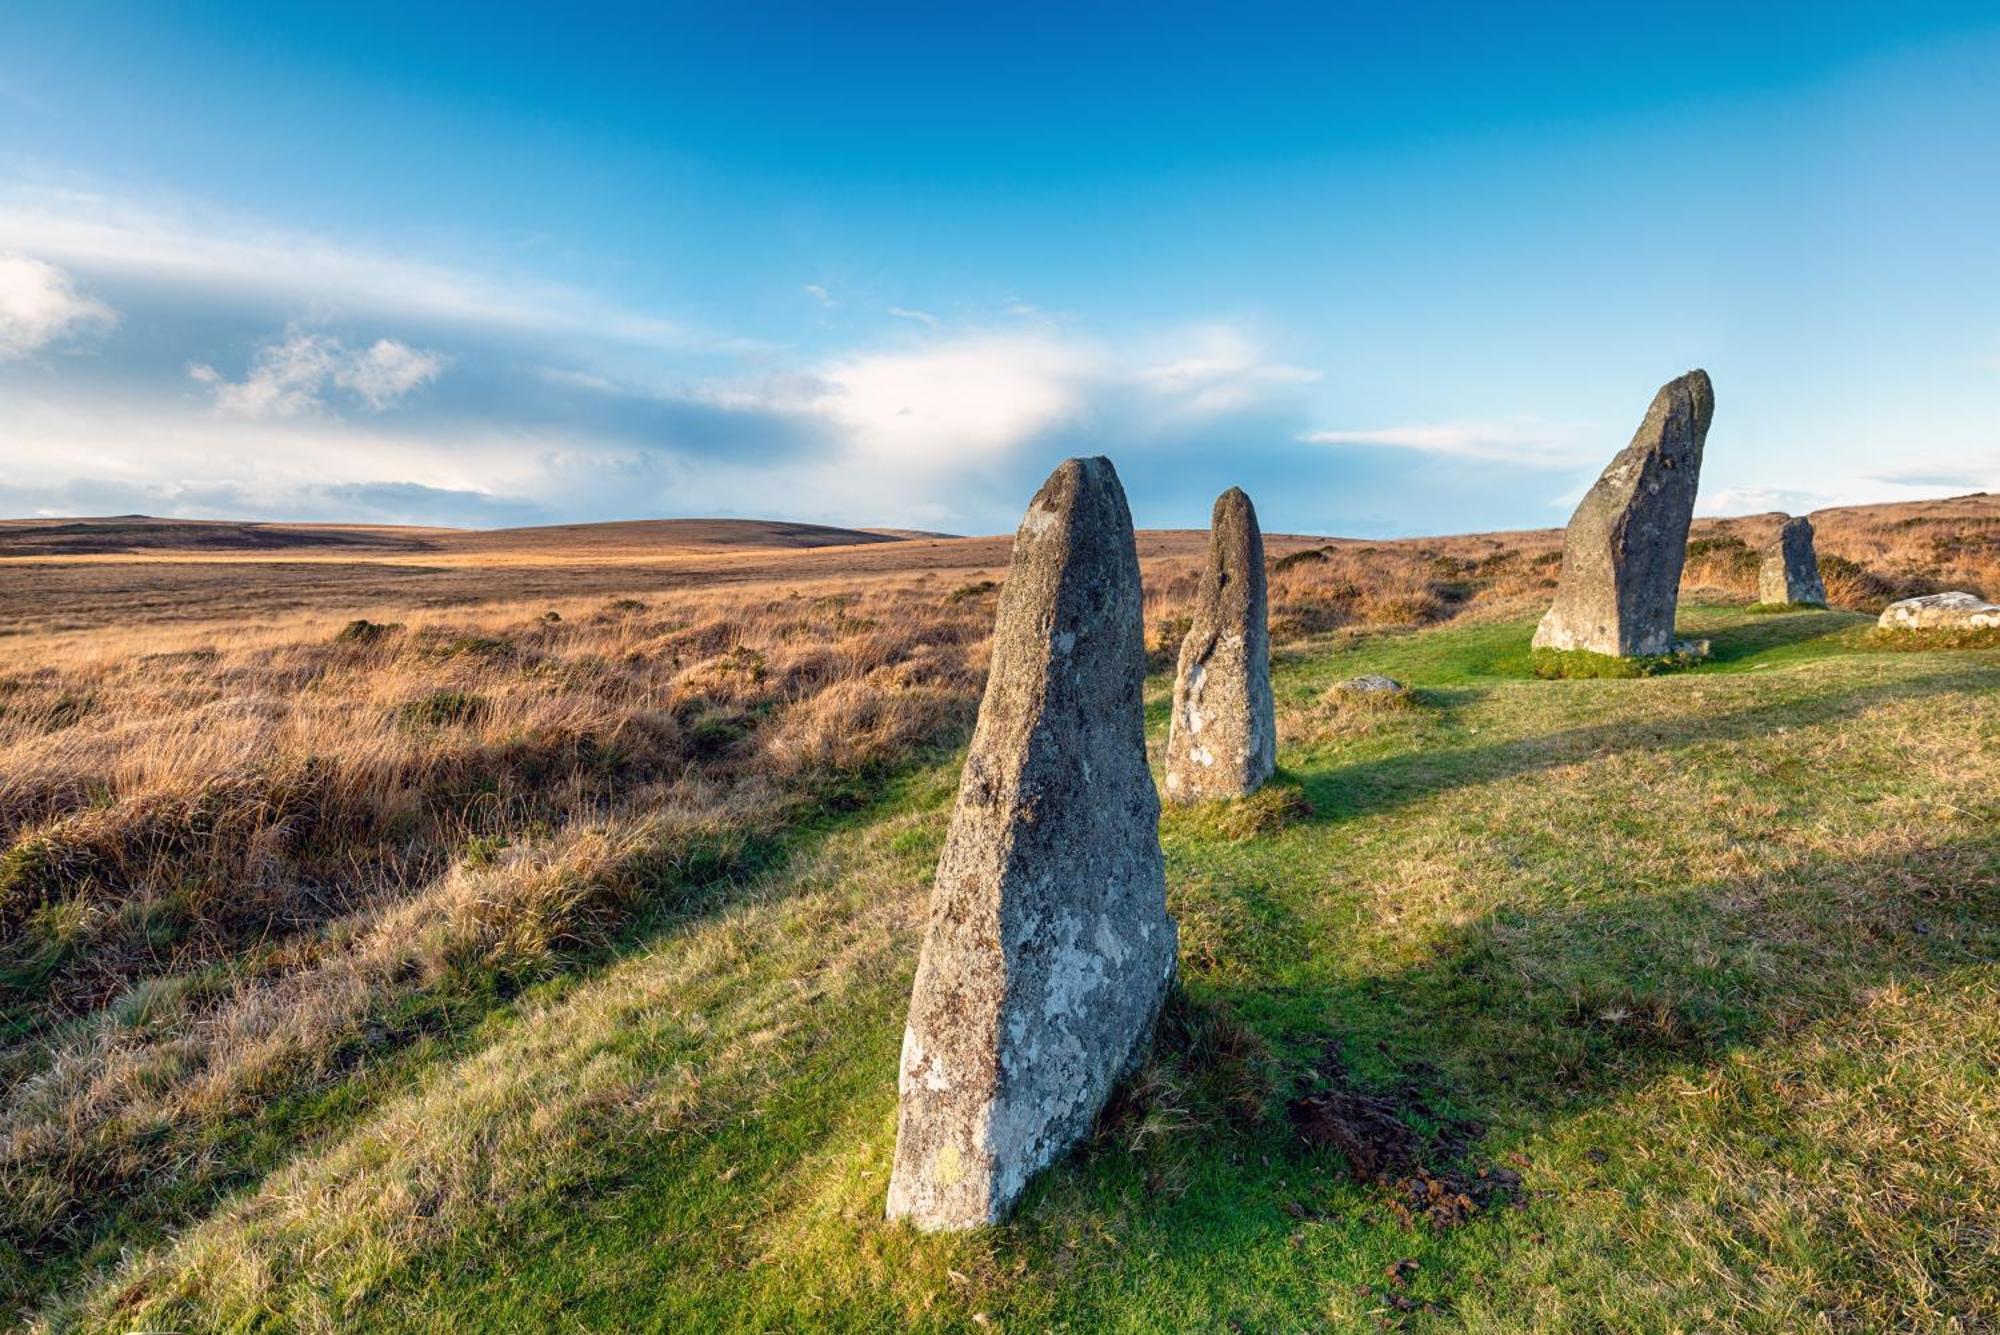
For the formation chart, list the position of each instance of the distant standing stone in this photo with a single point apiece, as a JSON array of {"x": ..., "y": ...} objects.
[
  {"x": 1223, "y": 738},
  {"x": 1941, "y": 611},
  {"x": 1622, "y": 555},
  {"x": 1050, "y": 948},
  {"x": 1790, "y": 573}
]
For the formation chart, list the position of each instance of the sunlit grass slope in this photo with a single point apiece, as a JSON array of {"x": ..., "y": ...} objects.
[{"x": 1706, "y": 961}]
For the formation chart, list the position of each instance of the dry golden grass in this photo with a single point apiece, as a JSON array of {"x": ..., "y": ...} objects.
[
  {"x": 267, "y": 822},
  {"x": 228, "y": 854}
]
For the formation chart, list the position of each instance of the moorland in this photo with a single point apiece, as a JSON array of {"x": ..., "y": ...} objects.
[{"x": 410, "y": 927}]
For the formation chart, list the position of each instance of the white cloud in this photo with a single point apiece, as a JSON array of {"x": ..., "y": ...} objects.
[
  {"x": 218, "y": 252},
  {"x": 924, "y": 318},
  {"x": 973, "y": 395},
  {"x": 1218, "y": 368},
  {"x": 574, "y": 379},
  {"x": 292, "y": 377},
  {"x": 387, "y": 370},
  {"x": 1526, "y": 441},
  {"x": 40, "y": 304},
  {"x": 820, "y": 294},
  {"x": 961, "y": 400},
  {"x": 1914, "y": 482},
  {"x": 1759, "y": 500}
]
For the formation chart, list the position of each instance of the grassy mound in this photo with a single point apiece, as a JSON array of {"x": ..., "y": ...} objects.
[
  {"x": 1927, "y": 641},
  {"x": 1584, "y": 664},
  {"x": 1599, "y": 1004}
]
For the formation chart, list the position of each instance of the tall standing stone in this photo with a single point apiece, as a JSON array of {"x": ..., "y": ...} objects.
[
  {"x": 1050, "y": 948},
  {"x": 1223, "y": 739},
  {"x": 1622, "y": 555},
  {"x": 1790, "y": 573}
]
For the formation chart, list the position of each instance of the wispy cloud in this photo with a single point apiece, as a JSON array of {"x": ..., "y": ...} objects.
[
  {"x": 1527, "y": 442},
  {"x": 39, "y": 304},
  {"x": 820, "y": 294},
  {"x": 1219, "y": 368},
  {"x": 216, "y": 253},
  {"x": 294, "y": 376},
  {"x": 924, "y": 318},
  {"x": 1949, "y": 474},
  {"x": 1758, "y": 500}
]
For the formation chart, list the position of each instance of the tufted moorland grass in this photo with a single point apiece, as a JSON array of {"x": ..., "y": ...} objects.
[{"x": 1707, "y": 960}]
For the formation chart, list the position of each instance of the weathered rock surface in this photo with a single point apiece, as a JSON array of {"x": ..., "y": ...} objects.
[
  {"x": 1049, "y": 949},
  {"x": 1223, "y": 737},
  {"x": 1622, "y": 555},
  {"x": 1790, "y": 573},
  {"x": 1373, "y": 683},
  {"x": 1941, "y": 611}
]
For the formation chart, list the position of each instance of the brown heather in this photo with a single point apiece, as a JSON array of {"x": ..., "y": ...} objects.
[
  {"x": 230, "y": 855},
  {"x": 266, "y": 824}
]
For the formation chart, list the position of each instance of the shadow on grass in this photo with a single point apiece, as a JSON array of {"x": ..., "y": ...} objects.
[
  {"x": 1507, "y": 1025},
  {"x": 1354, "y": 790},
  {"x": 1762, "y": 634},
  {"x": 1527, "y": 1018}
]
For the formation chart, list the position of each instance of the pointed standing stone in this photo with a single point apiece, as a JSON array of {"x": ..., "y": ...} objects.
[
  {"x": 1223, "y": 740},
  {"x": 1050, "y": 948},
  {"x": 1790, "y": 573},
  {"x": 1622, "y": 555}
]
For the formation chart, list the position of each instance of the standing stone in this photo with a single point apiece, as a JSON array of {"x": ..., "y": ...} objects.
[
  {"x": 1790, "y": 573},
  {"x": 1050, "y": 948},
  {"x": 1223, "y": 740},
  {"x": 1622, "y": 555}
]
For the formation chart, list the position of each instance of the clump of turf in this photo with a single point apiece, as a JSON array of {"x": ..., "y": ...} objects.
[
  {"x": 1311, "y": 556},
  {"x": 470, "y": 646},
  {"x": 967, "y": 592},
  {"x": 1207, "y": 1069},
  {"x": 363, "y": 631},
  {"x": 443, "y": 709},
  {"x": 1940, "y": 637},
  {"x": 1271, "y": 808},
  {"x": 1584, "y": 664}
]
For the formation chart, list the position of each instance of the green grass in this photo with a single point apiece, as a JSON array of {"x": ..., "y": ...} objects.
[
  {"x": 1567, "y": 664},
  {"x": 1707, "y": 959}
]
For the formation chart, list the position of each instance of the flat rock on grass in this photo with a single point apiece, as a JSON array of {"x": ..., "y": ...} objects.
[
  {"x": 1049, "y": 949},
  {"x": 1373, "y": 683},
  {"x": 1941, "y": 611}
]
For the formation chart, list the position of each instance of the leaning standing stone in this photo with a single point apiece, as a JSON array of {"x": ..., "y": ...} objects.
[
  {"x": 1622, "y": 555},
  {"x": 1050, "y": 948},
  {"x": 1790, "y": 573},
  {"x": 1222, "y": 741}
]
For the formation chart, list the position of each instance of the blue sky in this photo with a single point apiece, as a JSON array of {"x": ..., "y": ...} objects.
[{"x": 1394, "y": 269}]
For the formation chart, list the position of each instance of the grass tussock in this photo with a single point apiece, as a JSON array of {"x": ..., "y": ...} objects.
[
  {"x": 1941, "y": 637},
  {"x": 1584, "y": 664},
  {"x": 1278, "y": 804},
  {"x": 1206, "y": 1071}
]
